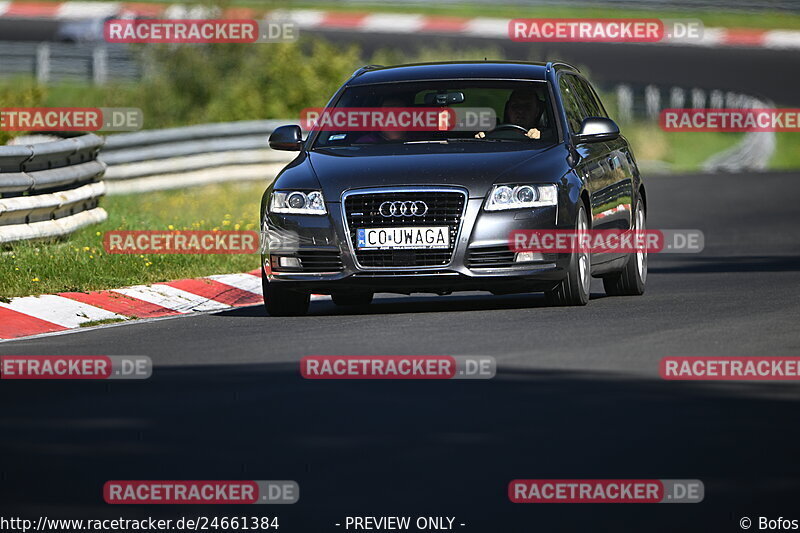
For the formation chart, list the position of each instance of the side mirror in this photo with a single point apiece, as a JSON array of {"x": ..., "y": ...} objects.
[
  {"x": 288, "y": 138},
  {"x": 597, "y": 129}
]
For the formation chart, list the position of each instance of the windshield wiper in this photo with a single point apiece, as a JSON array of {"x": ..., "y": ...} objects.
[
  {"x": 460, "y": 139},
  {"x": 484, "y": 139}
]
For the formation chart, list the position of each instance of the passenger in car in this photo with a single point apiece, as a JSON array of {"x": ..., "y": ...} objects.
[{"x": 385, "y": 136}]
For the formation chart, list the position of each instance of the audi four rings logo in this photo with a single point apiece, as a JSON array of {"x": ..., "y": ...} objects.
[{"x": 403, "y": 209}]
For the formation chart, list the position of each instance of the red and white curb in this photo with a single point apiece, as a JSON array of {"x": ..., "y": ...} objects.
[
  {"x": 390, "y": 23},
  {"x": 35, "y": 315}
]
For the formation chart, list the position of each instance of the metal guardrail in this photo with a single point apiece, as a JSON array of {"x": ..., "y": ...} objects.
[
  {"x": 180, "y": 157},
  {"x": 645, "y": 102},
  {"x": 53, "y": 62},
  {"x": 50, "y": 189}
]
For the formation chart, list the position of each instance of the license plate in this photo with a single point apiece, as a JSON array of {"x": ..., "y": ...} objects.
[{"x": 403, "y": 237}]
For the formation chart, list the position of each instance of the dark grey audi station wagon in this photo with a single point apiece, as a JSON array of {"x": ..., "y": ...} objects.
[{"x": 360, "y": 212}]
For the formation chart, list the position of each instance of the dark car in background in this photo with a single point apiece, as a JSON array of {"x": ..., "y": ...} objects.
[
  {"x": 88, "y": 30},
  {"x": 465, "y": 191}
]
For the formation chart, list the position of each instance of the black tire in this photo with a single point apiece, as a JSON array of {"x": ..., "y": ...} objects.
[
  {"x": 575, "y": 288},
  {"x": 284, "y": 302},
  {"x": 630, "y": 281},
  {"x": 355, "y": 298}
]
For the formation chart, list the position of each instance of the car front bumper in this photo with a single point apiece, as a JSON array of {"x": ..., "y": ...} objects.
[{"x": 481, "y": 258}]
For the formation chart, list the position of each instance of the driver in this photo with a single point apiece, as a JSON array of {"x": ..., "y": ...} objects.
[{"x": 522, "y": 109}]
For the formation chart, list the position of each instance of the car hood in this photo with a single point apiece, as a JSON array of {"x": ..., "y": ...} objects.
[{"x": 474, "y": 169}]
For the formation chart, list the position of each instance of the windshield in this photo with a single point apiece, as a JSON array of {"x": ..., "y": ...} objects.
[{"x": 518, "y": 112}]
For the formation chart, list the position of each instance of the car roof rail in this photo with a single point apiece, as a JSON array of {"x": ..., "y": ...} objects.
[
  {"x": 552, "y": 64},
  {"x": 365, "y": 68}
]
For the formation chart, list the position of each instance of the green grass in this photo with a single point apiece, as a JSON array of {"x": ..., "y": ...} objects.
[
  {"x": 787, "y": 151},
  {"x": 82, "y": 94},
  {"x": 91, "y": 323},
  {"x": 682, "y": 151},
  {"x": 686, "y": 151},
  {"x": 79, "y": 263}
]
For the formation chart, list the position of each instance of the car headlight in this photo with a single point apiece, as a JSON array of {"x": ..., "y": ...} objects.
[
  {"x": 521, "y": 196},
  {"x": 298, "y": 203}
]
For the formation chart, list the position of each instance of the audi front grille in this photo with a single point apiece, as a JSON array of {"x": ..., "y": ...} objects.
[{"x": 444, "y": 207}]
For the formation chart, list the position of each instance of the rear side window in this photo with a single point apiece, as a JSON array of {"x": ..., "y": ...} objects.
[
  {"x": 591, "y": 103},
  {"x": 571, "y": 106}
]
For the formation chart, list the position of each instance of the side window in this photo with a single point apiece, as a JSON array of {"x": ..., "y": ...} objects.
[
  {"x": 587, "y": 96},
  {"x": 571, "y": 106}
]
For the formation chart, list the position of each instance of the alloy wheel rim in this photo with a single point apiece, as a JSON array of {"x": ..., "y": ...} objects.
[
  {"x": 641, "y": 254},
  {"x": 583, "y": 257}
]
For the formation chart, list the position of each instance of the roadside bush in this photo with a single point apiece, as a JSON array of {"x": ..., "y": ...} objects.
[
  {"x": 19, "y": 93},
  {"x": 193, "y": 84}
]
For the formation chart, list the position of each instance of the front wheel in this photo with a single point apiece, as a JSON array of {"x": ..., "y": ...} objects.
[
  {"x": 574, "y": 289},
  {"x": 280, "y": 301},
  {"x": 631, "y": 279}
]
